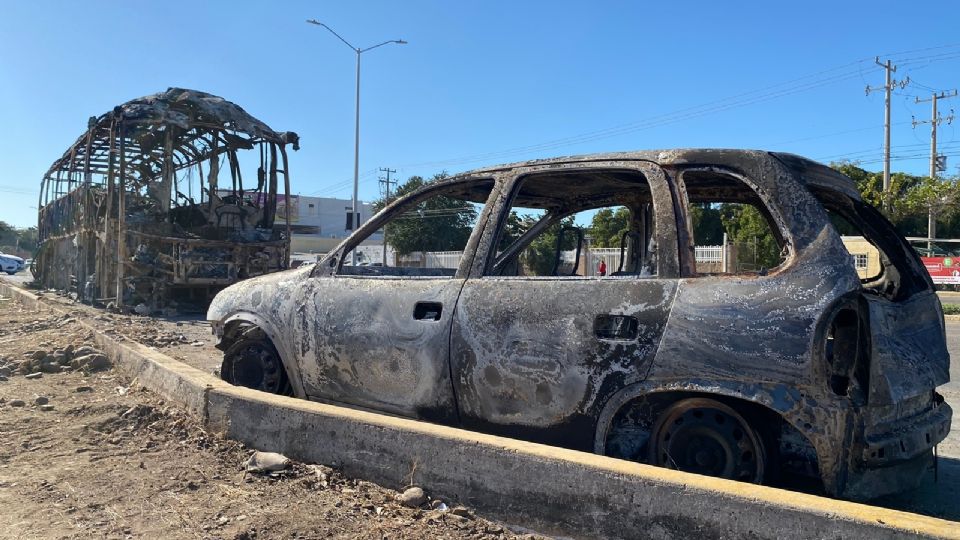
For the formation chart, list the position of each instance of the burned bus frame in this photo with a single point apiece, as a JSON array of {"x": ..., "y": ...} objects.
[{"x": 136, "y": 211}]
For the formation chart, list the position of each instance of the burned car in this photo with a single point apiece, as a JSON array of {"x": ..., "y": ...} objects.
[{"x": 797, "y": 370}]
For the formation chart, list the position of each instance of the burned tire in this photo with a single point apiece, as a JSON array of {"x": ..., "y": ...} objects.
[
  {"x": 704, "y": 436},
  {"x": 252, "y": 361}
]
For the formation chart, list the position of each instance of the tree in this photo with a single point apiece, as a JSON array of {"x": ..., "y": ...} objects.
[
  {"x": 707, "y": 225},
  {"x": 608, "y": 225},
  {"x": 539, "y": 257},
  {"x": 437, "y": 224},
  {"x": 909, "y": 199},
  {"x": 747, "y": 227},
  {"x": 514, "y": 228},
  {"x": 13, "y": 239}
]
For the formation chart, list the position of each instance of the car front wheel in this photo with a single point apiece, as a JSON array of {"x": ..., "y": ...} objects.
[
  {"x": 252, "y": 361},
  {"x": 704, "y": 436}
]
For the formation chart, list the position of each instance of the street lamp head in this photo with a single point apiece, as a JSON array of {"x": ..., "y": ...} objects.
[
  {"x": 400, "y": 42},
  {"x": 314, "y": 21}
]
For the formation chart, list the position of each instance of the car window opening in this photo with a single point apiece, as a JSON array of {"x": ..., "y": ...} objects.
[
  {"x": 578, "y": 224},
  {"x": 732, "y": 229},
  {"x": 886, "y": 264}
]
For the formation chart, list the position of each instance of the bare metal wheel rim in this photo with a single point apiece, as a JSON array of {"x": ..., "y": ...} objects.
[
  {"x": 256, "y": 365},
  {"x": 706, "y": 437}
]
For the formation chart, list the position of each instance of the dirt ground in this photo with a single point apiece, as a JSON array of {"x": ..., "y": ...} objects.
[
  {"x": 187, "y": 338},
  {"x": 85, "y": 453}
]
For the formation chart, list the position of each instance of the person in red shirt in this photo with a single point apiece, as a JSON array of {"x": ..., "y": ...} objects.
[{"x": 602, "y": 270}]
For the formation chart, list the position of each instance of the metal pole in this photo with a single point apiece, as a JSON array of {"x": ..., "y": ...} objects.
[
  {"x": 887, "y": 90},
  {"x": 931, "y": 214},
  {"x": 356, "y": 162},
  {"x": 121, "y": 214},
  {"x": 934, "y": 123},
  {"x": 933, "y": 139},
  {"x": 725, "y": 255},
  {"x": 387, "y": 198},
  {"x": 886, "y": 136}
]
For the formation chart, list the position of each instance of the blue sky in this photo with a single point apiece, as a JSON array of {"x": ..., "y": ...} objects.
[{"x": 482, "y": 83}]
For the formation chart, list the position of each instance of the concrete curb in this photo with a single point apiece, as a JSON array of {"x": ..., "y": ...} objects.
[{"x": 549, "y": 489}]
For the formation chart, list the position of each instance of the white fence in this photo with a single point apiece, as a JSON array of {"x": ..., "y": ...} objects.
[
  {"x": 709, "y": 254},
  {"x": 590, "y": 260},
  {"x": 443, "y": 259}
]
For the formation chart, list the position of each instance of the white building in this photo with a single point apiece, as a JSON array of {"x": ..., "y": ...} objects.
[{"x": 318, "y": 224}]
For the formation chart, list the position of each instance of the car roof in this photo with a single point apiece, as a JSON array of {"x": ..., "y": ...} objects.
[{"x": 808, "y": 172}]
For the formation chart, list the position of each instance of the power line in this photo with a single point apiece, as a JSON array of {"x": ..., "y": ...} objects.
[
  {"x": 739, "y": 100},
  {"x": 872, "y": 150},
  {"x": 652, "y": 122},
  {"x": 793, "y": 86}
]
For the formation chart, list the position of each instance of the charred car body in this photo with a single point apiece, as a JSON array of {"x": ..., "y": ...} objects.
[
  {"x": 149, "y": 205},
  {"x": 801, "y": 369}
]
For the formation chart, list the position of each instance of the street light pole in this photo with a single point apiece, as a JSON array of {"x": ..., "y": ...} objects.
[{"x": 355, "y": 218}]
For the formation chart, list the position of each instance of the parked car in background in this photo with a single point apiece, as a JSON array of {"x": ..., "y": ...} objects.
[
  {"x": 11, "y": 264},
  {"x": 796, "y": 370}
]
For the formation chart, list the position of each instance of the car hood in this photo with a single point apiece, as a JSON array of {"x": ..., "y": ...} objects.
[
  {"x": 247, "y": 295},
  {"x": 11, "y": 257}
]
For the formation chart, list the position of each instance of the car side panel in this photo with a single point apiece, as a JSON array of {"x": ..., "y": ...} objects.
[
  {"x": 527, "y": 361},
  {"x": 752, "y": 327}
]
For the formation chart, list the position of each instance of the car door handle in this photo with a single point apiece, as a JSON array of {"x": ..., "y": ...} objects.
[
  {"x": 427, "y": 311},
  {"x": 620, "y": 327}
]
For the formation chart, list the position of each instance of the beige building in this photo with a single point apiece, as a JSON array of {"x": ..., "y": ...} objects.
[{"x": 865, "y": 257}]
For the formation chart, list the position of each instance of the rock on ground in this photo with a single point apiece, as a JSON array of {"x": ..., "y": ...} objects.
[{"x": 413, "y": 497}]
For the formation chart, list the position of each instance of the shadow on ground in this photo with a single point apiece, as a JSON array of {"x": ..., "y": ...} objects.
[{"x": 937, "y": 498}]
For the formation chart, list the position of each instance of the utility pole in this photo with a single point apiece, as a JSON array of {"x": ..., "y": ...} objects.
[
  {"x": 888, "y": 88},
  {"x": 385, "y": 192},
  {"x": 935, "y": 167}
]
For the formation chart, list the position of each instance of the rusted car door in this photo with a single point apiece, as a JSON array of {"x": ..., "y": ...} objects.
[
  {"x": 536, "y": 357},
  {"x": 378, "y": 336}
]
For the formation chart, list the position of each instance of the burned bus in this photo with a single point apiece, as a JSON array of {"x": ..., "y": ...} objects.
[{"x": 164, "y": 201}]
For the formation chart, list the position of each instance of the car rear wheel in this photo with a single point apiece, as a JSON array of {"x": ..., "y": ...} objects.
[
  {"x": 252, "y": 361},
  {"x": 704, "y": 436}
]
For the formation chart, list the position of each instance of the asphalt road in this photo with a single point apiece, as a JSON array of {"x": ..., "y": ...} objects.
[
  {"x": 22, "y": 277},
  {"x": 949, "y": 297}
]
